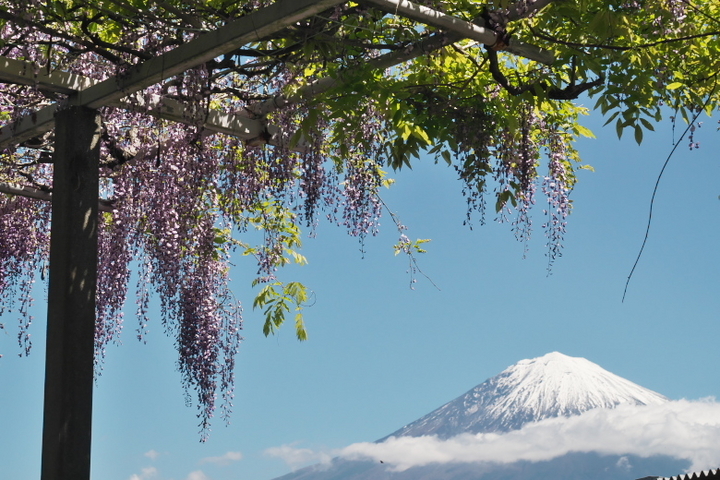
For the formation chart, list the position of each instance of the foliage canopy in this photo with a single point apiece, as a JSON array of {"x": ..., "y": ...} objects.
[{"x": 343, "y": 97}]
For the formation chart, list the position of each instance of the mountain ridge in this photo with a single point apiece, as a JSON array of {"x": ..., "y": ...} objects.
[{"x": 531, "y": 390}]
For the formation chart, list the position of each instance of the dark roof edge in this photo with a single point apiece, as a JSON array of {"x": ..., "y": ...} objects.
[{"x": 702, "y": 475}]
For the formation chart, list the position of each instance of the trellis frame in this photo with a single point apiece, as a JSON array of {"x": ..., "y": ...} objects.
[{"x": 75, "y": 205}]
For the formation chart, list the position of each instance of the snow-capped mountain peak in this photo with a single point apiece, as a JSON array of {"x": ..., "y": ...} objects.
[{"x": 532, "y": 390}]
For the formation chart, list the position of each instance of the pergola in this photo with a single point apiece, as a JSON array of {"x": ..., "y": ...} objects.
[{"x": 75, "y": 202}]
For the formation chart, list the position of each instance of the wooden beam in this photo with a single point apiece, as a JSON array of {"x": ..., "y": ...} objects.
[
  {"x": 113, "y": 90},
  {"x": 457, "y": 29},
  {"x": 422, "y": 47},
  {"x": 247, "y": 29},
  {"x": 466, "y": 29},
  {"x": 251, "y": 28},
  {"x": 26, "y": 73},
  {"x": 28, "y": 126},
  {"x": 428, "y": 16},
  {"x": 235, "y": 125},
  {"x": 30, "y": 192}
]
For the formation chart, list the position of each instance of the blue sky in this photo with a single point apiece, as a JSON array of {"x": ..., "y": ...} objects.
[{"x": 380, "y": 355}]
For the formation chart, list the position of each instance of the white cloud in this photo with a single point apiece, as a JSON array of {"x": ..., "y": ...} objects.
[
  {"x": 145, "y": 474},
  {"x": 197, "y": 475},
  {"x": 682, "y": 429},
  {"x": 225, "y": 459},
  {"x": 152, "y": 454},
  {"x": 624, "y": 463},
  {"x": 299, "y": 457}
]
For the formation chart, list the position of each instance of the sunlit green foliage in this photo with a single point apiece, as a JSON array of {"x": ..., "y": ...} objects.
[{"x": 506, "y": 123}]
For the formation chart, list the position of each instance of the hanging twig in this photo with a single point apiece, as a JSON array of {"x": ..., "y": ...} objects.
[{"x": 655, "y": 189}]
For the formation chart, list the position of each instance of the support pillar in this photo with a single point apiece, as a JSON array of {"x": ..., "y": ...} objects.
[{"x": 69, "y": 360}]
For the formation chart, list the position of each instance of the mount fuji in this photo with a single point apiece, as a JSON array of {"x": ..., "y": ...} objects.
[{"x": 551, "y": 386}]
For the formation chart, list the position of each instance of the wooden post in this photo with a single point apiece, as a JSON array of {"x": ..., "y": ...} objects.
[{"x": 69, "y": 360}]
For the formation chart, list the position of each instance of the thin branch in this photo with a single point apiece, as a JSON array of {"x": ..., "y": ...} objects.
[
  {"x": 4, "y": 15},
  {"x": 571, "y": 92},
  {"x": 700, "y": 12},
  {"x": 621, "y": 48},
  {"x": 655, "y": 189},
  {"x": 85, "y": 27},
  {"x": 120, "y": 156},
  {"x": 522, "y": 10},
  {"x": 414, "y": 267}
]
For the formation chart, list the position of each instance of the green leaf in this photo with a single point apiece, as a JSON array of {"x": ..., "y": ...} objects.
[
  {"x": 276, "y": 305},
  {"x": 638, "y": 134},
  {"x": 675, "y": 86},
  {"x": 420, "y": 134},
  {"x": 611, "y": 118},
  {"x": 295, "y": 139},
  {"x": 300, "y": 331},
  {"x": 499, "y": 205},
  {"x": 647, "y": 124},
  {"x": 585, "y": 132},
  {"x": 446, "y": 156},
  {"x": 503, "y": 199}
]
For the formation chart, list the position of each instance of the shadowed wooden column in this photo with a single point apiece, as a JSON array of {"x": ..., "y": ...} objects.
[{"x": 69, "y": 362}]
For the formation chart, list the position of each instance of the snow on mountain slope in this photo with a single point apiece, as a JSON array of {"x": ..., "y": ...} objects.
[{"x": 531, "y": 390}]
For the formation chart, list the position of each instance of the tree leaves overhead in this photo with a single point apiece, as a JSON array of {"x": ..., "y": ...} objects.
[{"x": 341, "y": 98}]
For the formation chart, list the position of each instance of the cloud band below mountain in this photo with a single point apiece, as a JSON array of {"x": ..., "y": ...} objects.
[{"x": 682, "y": 429}]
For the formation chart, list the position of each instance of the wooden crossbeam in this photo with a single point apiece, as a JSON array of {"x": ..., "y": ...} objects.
[
  {"x": 428, "y": 16},
  {"x": 111, "y": 92},
  {"x": 239, "y": 126},
  {"x": 26, "y": 73},
  {"x": 30, "y": 192},
  {"x": 208, "y": 46},
  {"x": 417, "y": 49},
  {"x": 457, "y": 29},
  {"x": 28, "y": 126},
  {"x": 232, "y": 36}
]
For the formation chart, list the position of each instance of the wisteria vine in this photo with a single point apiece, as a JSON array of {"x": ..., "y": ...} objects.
[
  {"x": 177, "y": 197},
  {"x": 180, "y": 194}
]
